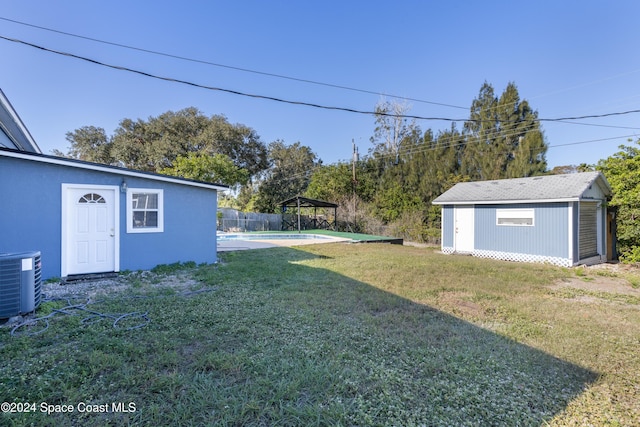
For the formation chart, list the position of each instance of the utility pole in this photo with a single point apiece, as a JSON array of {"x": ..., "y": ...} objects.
[{"x": 355, "y": 159}]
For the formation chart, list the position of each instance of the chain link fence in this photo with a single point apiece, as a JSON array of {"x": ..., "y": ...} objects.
[{"x": 232, "y": 220}]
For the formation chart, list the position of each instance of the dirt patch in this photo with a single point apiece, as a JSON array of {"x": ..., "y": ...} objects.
[
  {"x": 460, "y": 304},
  {"x": 614, "y": 285},
  {"x": 82, "y": 293},
  {"x": 180, "y": 280}
]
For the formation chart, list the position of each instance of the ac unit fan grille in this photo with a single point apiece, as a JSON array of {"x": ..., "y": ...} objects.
[
  {"x": 9, "y": 291},
  {"x": 37, "y": 280},
  {"x": 20, "y": 283}
]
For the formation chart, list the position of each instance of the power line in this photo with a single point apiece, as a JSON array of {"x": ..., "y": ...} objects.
[
  {"x": 451, "y": 142},
  {"x": 230, "y": 67},
  {"x": 183, "y": 58},
  {"x": 598, "y": 125},
  {"x": 231, "y": 91},
  {"x": 591, "y": 116},
  {"x": 280, "y": 76},
  {"x": 301, "y": 103}
]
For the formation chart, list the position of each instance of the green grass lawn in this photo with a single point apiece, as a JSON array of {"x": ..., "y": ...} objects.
[{"x": 339, "y": 335}]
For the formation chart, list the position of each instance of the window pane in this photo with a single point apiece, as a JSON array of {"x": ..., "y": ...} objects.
[
  {"x": 145, "y": 201},
  {"x": 518, "y": 217},
  {"x": 145, "y": 219},
  {"x": 91, "y": 198},
  {"x": 515, "y": 221},
  {"x": 145, "y": 210}
]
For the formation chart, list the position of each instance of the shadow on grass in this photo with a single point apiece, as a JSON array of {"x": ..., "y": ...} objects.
[
  {"x": 389, "y": 360},
  {"x": 286, "y": 341}
]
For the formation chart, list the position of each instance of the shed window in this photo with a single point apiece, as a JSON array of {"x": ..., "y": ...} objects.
[
  {"x": 515, "y": 217},
  {"x": 145, "y": 211}
]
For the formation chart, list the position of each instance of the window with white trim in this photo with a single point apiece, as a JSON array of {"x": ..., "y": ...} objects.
[
  {"x": 145, "y": 210},
  {"x": 515, "y": 217}
]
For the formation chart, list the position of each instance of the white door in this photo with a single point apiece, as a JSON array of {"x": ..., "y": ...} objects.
[
  {"x": 464, "y": 229},
  {"x": 89, "y": 229}
]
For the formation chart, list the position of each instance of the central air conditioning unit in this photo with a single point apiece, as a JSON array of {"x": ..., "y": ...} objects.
[{"x": 20, "y": 283}]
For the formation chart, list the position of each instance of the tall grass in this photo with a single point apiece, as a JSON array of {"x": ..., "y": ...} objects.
[{"x": 339, "y": 334}]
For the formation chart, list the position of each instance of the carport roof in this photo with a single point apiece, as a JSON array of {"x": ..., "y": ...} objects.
[{"x": 307, "y": 203}]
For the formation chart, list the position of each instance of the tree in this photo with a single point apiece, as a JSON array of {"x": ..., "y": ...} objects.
[
  {"x": 392, "y": 200},
  {"x": 503, "y": 137},
  {"x": 392, "y": 131},
  {"x": 289, "y": 175},
  {"x": 216, "y": 168},
  {"x": 435, "y": 164},
  {"x": 563, "y": 170},
  {"x": 335, "y": 182},
  {"x": 89, "y": 143},
  {"x": 240, "y": 143},
  {"x": 131, "y": 146},
  {"x": 155, "y": 144},
  {"x": 331, "y": 182},
  {"x": 622, "y": 170}
]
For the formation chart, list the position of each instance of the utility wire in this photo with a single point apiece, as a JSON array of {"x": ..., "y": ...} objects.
[
  {"x": 231, "y": 91},
  {"x": 183, "y": 58},
  {"x": 453, "y": 141},
  {"x": 230, "y": 67},
  {"x": 598, "y": 125},
  {"x": 302, "y": 103},
  {"x": 280, "y": 76},
  {"x": 449, "y": 143},
  {"x": 411, "y": 150}
]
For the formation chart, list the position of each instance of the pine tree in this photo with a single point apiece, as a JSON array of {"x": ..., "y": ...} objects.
[{"x": 503, "y": 137}]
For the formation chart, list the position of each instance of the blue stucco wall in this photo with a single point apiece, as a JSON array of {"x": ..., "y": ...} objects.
[
  {"x": 548, "y": 237},
  {"x": 31, "y": 216},
  {"x": 189, "y": 228}
]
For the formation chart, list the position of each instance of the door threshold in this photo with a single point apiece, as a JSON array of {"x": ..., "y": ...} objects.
[{"x": 88, "y": 277}]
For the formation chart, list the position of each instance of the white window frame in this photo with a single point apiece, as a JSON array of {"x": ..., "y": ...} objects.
[
  {"x": 160, "y": 210},
  {"x": 513, "y": 214}
]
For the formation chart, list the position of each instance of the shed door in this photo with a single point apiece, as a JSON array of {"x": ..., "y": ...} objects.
[
  {"x": 588, "y": 231},
  {"x": 463, "y": 229},
  {"x": 89, "y": 230}
]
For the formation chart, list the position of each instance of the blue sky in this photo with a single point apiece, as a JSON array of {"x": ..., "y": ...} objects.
[{"x": 567, "y": 58}]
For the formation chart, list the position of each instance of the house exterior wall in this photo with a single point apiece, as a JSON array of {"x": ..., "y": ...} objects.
[
  {"x": 548, "y": 240},
  {"x": 547, "y": 237},
  {"x": 560, "y": 219},
  {"x": 31, "y": 216},
  {"x": 189, "y": 228},
  {"x": 594, "y": 192}
]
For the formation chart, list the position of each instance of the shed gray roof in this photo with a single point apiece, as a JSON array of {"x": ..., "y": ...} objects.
[{"x": 539, "y": 188}]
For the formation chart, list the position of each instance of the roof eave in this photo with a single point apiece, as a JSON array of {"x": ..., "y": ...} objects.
[
  {"x": 80, "y": 164},
  {"x": 19, "y": 134},
  {"x": 505, "y": 202}
]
